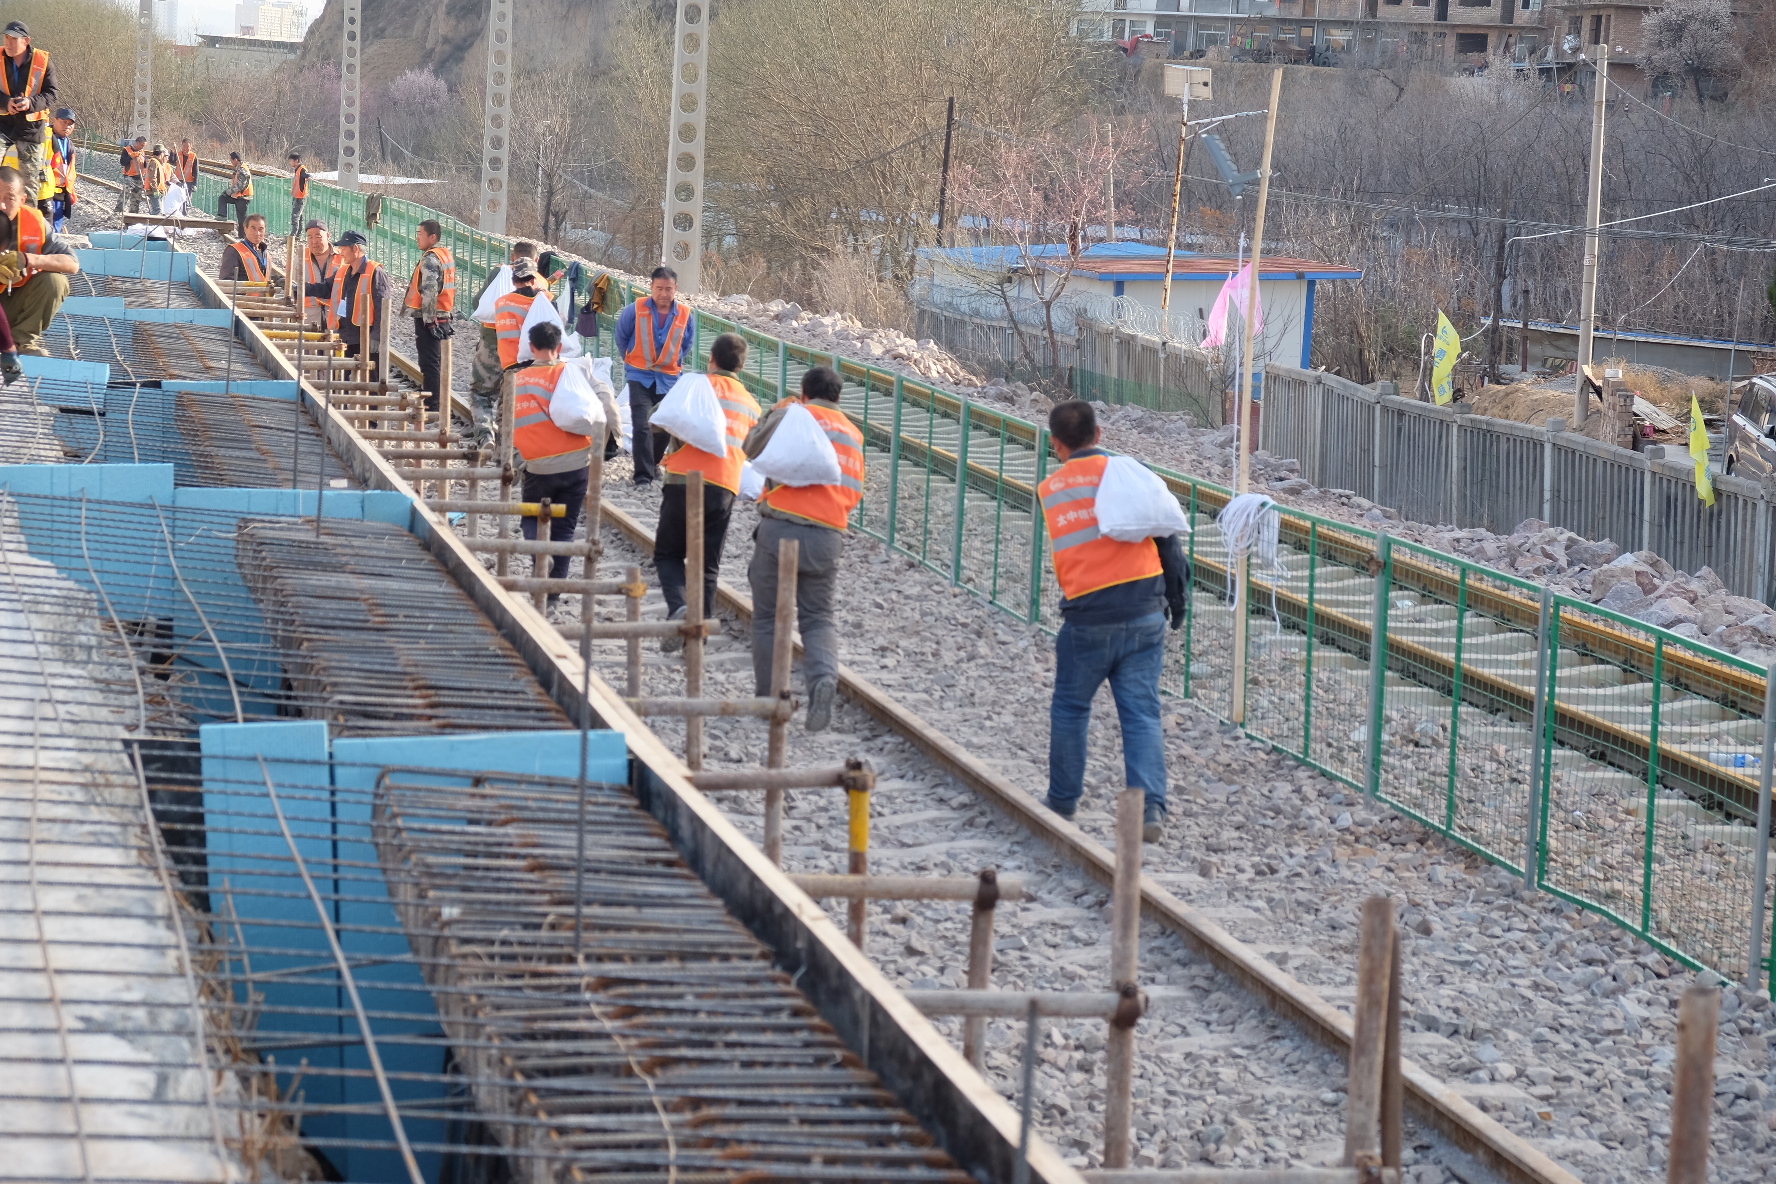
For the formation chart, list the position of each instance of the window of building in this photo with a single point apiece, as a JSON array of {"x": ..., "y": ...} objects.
[
  {"x": 1470, "y": 43},
  {"x": 1119, "y": 5},
  {"x": 1392, "y": 1},
  {"x": 1210, "y": 34},
  {"x": 1474, "y": 3},
  {"x": 1119, "y": 30},
  {"x": 1089, "y": 30},
  {"x": 1137, "y": 28},
  {"x": 1166, "y": 6},
  {"x": 1338, "y": 37},
  {"x": 1599, "y": 29},
  {"x": 1304, "y": 36},
  {"x": 1572, "y": 25},
  {"x": 1421, "y": 3}
]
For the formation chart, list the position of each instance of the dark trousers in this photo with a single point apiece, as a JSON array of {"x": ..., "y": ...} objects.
[
  {"x": 354, "y": 349},
  {"x": 671, "y": 542},
  {"x": 240, "y": 212},
  {"x": 650, "y": 445},
  {"x": 562, "y": 489},
  {"x": 431, "y": 361},
  {"x": 296, "y": 204}
]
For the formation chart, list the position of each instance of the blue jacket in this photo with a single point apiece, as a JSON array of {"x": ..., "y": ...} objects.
[{"x": 626, "y": 341}]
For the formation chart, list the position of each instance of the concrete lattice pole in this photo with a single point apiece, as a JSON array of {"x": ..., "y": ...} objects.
[
  {"x": 681, "y": 244},
  {"x": 1593, "y": 215},
  {"x": 144, "y": 66},
  {"x": 496, "y": 125},
  {"x": 350, "y": 74}
]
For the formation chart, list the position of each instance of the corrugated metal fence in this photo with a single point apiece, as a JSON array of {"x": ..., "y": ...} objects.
[{"x": 1443, "y": 465}]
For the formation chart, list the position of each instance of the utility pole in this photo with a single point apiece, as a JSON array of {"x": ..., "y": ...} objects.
[
  {"x": 496, "y": 117},
  {"x": 351, "y": 58},
  {"x": 1110, "y": 181},
  {"x": 1242, "y": 441},
  {"x": 681, "y": 244},
  {"x": 1593, "y": 215},
  {"x": 943, "y": 180},
  {"x": 144, "y": 68},
  {"x": 1180, "y": 81}
]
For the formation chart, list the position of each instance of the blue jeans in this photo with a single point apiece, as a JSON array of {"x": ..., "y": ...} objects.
[{"x": 1130, "y": 654}]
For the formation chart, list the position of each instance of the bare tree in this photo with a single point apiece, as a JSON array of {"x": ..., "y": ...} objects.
[
  {"x": 1038, "y": 202},
  {"x": 1692, "y": 39}
]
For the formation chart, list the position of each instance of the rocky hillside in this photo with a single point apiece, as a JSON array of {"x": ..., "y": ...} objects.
[{"x": 449, "y": 37}]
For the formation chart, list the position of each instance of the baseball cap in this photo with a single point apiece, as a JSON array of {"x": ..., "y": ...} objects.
[
  {"x": 17, "y": 29},
  {"x": 351, "y": 238},
  {"x": 64, "y": 113},
  {"x": 316, "y": 224},
  {"x": 523, "y": 269}
]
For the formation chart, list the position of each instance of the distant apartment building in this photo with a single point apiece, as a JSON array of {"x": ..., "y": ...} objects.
[
  {"x": 1469, "y": 33},
  {"x": 271, "y": 20}
]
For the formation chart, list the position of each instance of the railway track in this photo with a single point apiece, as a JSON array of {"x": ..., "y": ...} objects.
[{"x": 932, "y": 443}]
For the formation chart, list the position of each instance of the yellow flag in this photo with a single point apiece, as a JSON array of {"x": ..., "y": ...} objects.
[
  {"x": 1446, "y": 348},
  {"x": 1699, "y": 452}
]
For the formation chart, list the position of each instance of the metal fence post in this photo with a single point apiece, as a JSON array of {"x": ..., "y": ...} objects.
[
  {"x": 961, "y": 491},
  {"x": 1760, "y": 863},
  {"x": 1532, "y": 827},
  {"x": 1038, "y": 527},
  {"x": 1384, "y": 553},
  {"x": 1548, "y": 470},
  {"x": 1374, "y": 450},
  {"x": 893, "y": 458},
  {"x": 1646, "y": 504}
]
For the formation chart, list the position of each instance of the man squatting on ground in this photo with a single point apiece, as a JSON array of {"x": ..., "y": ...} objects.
[
  {"x": 817, "y": 517},
  {"x": 34, "y": 268},
  {"x": 721, "y": 485},
  {"x": 1116, "y": 600}
]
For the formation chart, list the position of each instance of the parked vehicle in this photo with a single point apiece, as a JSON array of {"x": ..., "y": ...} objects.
[{"x": 1751, "y": 431}]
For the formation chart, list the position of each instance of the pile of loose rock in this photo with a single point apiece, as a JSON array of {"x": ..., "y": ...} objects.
[{"x": 844, "y": 334}]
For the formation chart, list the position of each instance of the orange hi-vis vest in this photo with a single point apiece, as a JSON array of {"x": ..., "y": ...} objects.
[
  {"x": 1086, "y": 561},
  {"x": 363, "y": 309},
  {"x": 299, "y": 183},
  {"x": 62, "y": 170},
  {"x": 509, "y": 312},
  {"x": 136, "y": 156},
  {"x": 742, "y": 411},
  {"x": 186, "y": 169},
  {"x": 249, "y": 263},
  {"x": 157, "y": 174},
  {"x": 669, "y": 360},
  {"x": 534, "y": 434},
  {"x": 826, "y": 505},
  {"x": 446, "y": 294},
  {"x": 319, "y": 274},
  {"x": 33, "y": 82},
  {"x": 33, "y": 232}
]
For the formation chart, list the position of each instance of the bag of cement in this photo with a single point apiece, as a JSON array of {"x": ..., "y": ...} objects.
[
  {"x": 502, "y": 283},
  {"x": 597, "y": 373},
  {"x": 542, "y": 312},
  {"x": 626, "y": 416},
  {"x": 692, "y": 411},
  {"x": 575, "y": 407},
  {"x": 1134, "y": 504},
  {"x": 799, "y": 452},
  {"x": 752, "y": 482}
]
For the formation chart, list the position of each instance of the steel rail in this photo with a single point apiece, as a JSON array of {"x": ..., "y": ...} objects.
[{"x": 1461, "y": 1121}]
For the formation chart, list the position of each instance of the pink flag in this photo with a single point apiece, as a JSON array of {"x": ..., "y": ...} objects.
[{"x": 1235, "y": 288}]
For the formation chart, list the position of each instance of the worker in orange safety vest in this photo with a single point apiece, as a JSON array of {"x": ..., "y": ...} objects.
[
  {"x": 817, "y": 517},
  {"x": 1116, "y": 599},
  {"x": 721, "y": 485},
  {"x": 555, "y": 440},
  {"x": 431, "y": 301},
  {"x": 654, "y": 336}
]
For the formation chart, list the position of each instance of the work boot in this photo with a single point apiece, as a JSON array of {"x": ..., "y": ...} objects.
[
  {"x": 1152, "y": 822},
  {"x": 673, "y": 642},
  {"x": 820, "y": 703},
  {"x": 10, "y": 370}
]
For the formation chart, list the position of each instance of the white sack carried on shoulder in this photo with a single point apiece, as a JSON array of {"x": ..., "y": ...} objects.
[
  {"x": 1134, "y": 504},
  {"x": 799, "y": 453},
  {"x": 542, "y": 312},
  {"x": 626, "y": 420},
  {"x": 575, "y": 406},
  {"x": 752, "y": 482},
  {"x": 502, "y": 283},
  {"x": 692, "y": 411}
]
